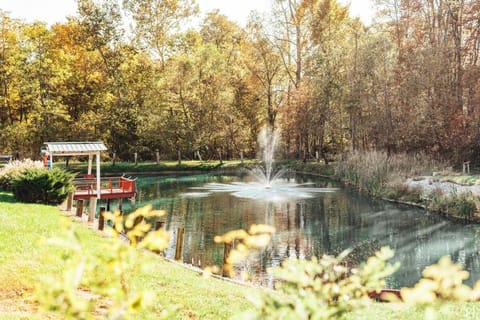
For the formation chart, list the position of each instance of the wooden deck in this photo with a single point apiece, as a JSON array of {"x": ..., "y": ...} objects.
[{"x": 110, "y": 188}]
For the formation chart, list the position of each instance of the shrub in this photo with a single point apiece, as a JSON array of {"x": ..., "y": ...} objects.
[
  {"x": 463, "y": 204},
  {"x": 441, "y": 283},
  {"x": 42, "y": 186},
  {"x": 436, "y": 201},
  {"x": 323, "y": 289},
  {"x": 404, "y": 192},
  {"x": 15, "y": 168},
  {"x": 458, "y": 204}
]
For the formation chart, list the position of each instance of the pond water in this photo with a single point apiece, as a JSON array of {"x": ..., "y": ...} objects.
[{"x": 322, "y": 223}]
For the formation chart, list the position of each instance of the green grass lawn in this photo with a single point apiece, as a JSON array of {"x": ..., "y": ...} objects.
[{"x": 25, "y": 258}]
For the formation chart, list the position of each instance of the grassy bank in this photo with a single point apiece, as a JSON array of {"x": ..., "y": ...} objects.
[
  {"x": 151, "y": 166},
  {"x": 386, "y": 176},
  {"x": 147, "y": 167},
  {"x": 24, "y": 258}
]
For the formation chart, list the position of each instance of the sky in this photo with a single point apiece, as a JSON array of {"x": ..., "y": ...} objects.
[{"x": 53, "y": 11}]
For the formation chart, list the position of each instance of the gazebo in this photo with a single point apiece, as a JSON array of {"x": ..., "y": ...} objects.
[{"x": 57, "y": 149}]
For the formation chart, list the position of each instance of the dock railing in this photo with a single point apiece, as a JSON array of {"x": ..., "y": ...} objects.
[{"x": 111, "y": 187}]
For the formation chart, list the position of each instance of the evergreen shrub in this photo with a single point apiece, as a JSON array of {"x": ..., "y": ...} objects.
[{"x": 42, "y": 186}]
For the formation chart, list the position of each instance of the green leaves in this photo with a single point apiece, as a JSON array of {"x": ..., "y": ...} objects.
[{"x": 42, "y": 186}]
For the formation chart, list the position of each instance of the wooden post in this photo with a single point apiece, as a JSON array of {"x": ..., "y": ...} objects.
[
  {"x": 157, "y": 154},
  {"x": 227, "y": 247},
  {"x": 179, "y": 245},
  {"x": 241, "y": 157},
  {"x": 101, "y": 218},
  {"x": 159, "y": 225},
  {"x": 79, "y": 208},
  {"x": 179, "y": 157},
  {"x": 132, "y": 202},
  {"x": 108, "y": 205},
  {"x": 466, "y": 167},
  {"x": 135, "y": 157},
  {"x": 93, "y": 209},
  {"x": 69, "y": 201},
  {"x": 120, "y": 202}
]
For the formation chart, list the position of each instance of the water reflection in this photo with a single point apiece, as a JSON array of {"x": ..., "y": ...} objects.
[{"x": 306, "y": 227}]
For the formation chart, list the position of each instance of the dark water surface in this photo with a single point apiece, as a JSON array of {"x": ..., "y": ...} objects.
[{"x": 326, "y": 223}]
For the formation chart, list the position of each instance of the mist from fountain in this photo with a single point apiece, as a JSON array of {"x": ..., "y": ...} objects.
[
  {"x": 267, "y": 141},
  {"x": 269, "y": 183}
]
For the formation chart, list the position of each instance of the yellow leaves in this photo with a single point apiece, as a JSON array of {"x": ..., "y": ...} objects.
[
  {"x": 475, "y": 294},
  {"x": 209, "y": 271},
  {"x": 447, "y": 272},
  {"x": 258, "y": 241},
  {"x": 257, "y": 237},
  {"x": 442, "y": 281},
  {"x": 261, "y": 228},
  {"x": 324, "y": 288},
  {"x": 231, "y": 235},
  {"x": 385, "y": 253},
  {"x": 107, "y": 274},
  {"x": 96, "y": 77},
  {"x": 137, "y": 229},
  {"x": 157, "y": 240},
  {"x": 422, "y": 293}
]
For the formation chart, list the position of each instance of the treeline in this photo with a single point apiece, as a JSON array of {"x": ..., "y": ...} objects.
[{"x": 133, "y": 74}]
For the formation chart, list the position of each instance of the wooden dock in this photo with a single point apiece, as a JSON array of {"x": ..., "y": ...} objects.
[{"x": 110, "y": 188}]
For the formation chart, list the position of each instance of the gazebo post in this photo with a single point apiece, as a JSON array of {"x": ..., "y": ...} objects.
[
  {"x": 90, "y": 158},
  {"x": 97, "y": 160}
]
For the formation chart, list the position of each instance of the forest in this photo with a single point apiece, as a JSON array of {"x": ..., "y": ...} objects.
[{"x": 147, "y": 75}]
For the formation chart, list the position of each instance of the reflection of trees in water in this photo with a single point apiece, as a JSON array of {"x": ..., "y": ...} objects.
[{"x": 326, "y": 224}]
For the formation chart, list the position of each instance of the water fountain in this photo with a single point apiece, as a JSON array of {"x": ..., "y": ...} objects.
[{"x": 268, "y": 183}]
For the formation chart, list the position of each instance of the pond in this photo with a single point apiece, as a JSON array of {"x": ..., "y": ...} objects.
[{"x": 313, "y": 225}]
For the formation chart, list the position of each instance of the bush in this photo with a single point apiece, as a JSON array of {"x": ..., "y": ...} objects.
[
  {"x": 42, "y": 186},
  {"x": 441, "y": 282},
  {"x": 458, "y": 204},
  {"x": 463, "y": 204},
  {"x": 404, "y": 192},
  {"x": 14, "y": 169},
  {"x": 323, "y": 289}
]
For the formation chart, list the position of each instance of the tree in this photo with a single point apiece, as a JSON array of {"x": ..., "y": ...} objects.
[{"x": 157, "y": 21}]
